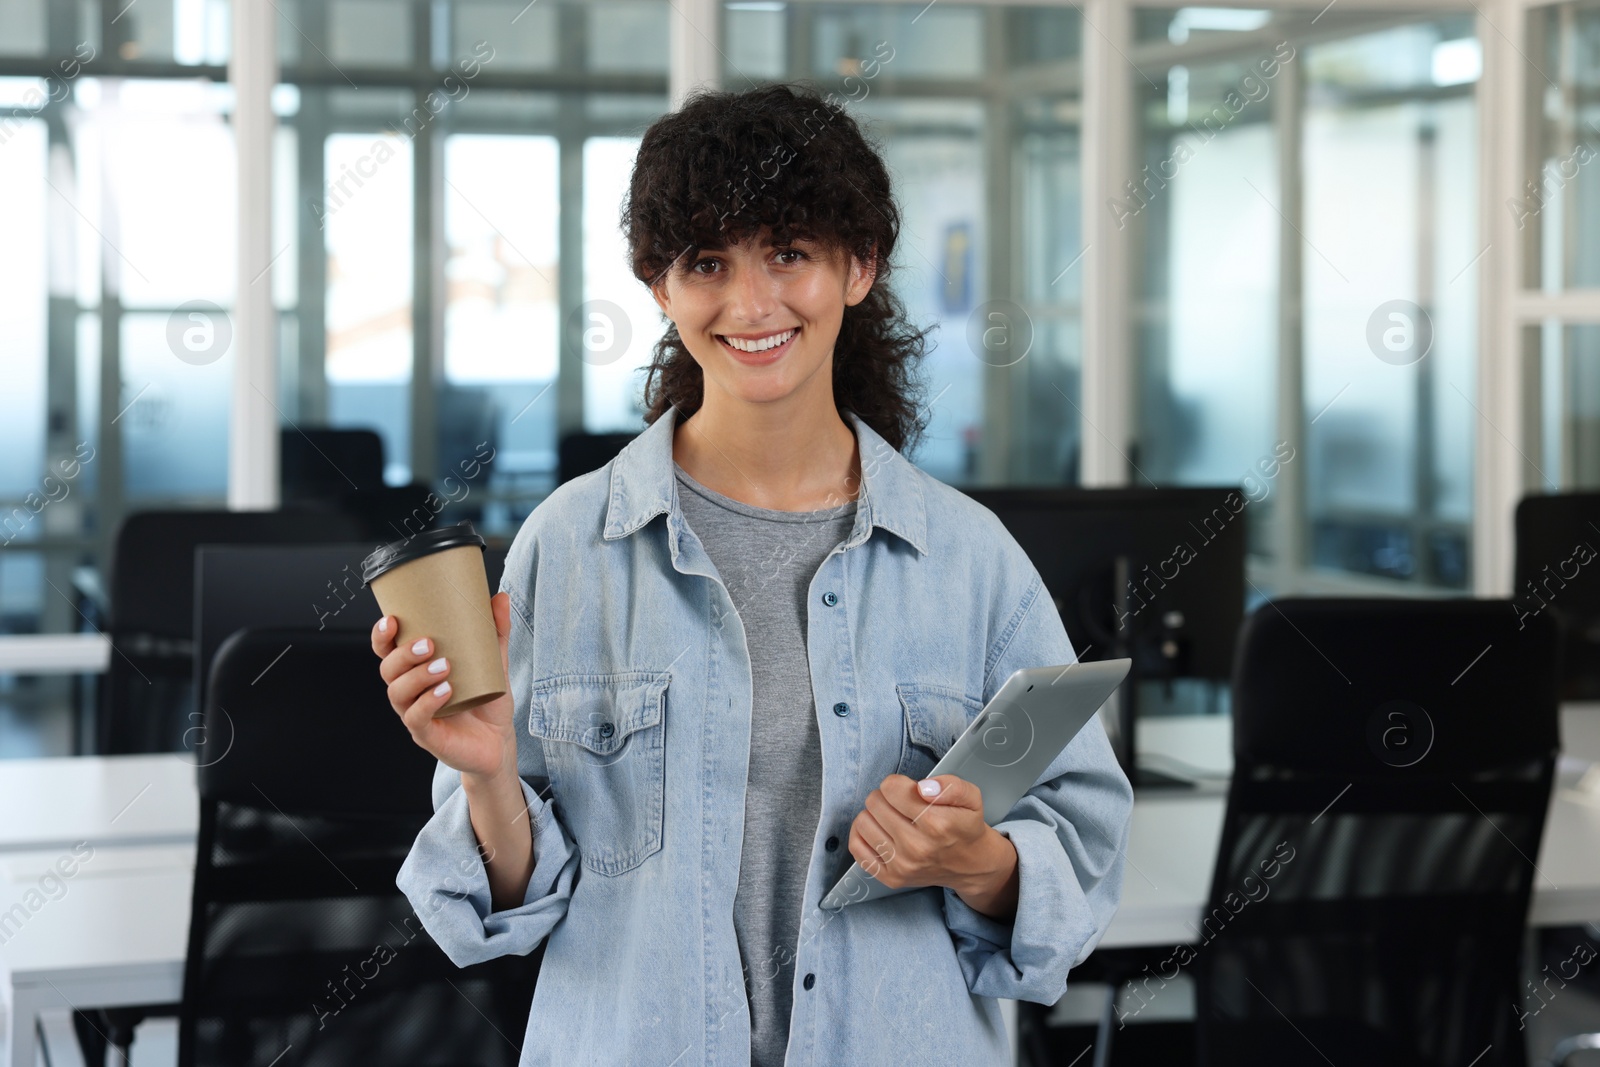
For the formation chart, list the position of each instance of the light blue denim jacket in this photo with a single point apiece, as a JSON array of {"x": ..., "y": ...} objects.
[{"x": 632, "y": 685}]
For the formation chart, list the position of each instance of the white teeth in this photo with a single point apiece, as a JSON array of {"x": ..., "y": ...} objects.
[{"x": 761, "y": 345}]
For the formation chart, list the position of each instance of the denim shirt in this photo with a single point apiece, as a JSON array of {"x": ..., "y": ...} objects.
[{"x": 632, "y": 686}]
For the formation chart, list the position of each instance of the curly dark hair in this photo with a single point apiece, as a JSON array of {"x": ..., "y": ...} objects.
[{"x": 726, "y": 166}]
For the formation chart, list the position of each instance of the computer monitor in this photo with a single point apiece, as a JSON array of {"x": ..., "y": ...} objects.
[
  {"x": 1156, "y": 575},
  {"x": 1557, "y": 537},
  {"x": 301, "y": 586},
  {"x": 580, "y": 453}
]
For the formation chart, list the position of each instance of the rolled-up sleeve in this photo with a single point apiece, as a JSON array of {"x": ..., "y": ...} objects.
[
  {"x": 1070, "y": 831},
  {"x": 444, "y": 876},
  {"x": 445, "y": 880}
]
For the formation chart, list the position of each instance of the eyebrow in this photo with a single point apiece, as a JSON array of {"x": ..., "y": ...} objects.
[{"x": 797, "y": 239}]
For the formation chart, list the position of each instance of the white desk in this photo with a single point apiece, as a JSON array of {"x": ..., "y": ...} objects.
[
  {"x": 1172, "y": 845},
  {"x": 106, "y": 801},
  {"x": 54, "y": 653},
  {"x": 1205, "y": 742},
  {"x": 1172, "y": 851},
  {"x": 116, "y": 935}
]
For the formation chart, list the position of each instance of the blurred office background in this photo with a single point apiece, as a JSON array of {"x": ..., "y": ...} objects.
[
  {"x": 1210, "y": 235},
  {"x": 1343, "y": 256}
]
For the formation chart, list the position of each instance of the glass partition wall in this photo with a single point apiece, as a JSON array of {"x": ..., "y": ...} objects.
[
  {"x": 445, "y": 195},
  {"x": 1556, "y": 214},
  {"x": 1321, "y": 252},
  {"x": 977, "y": 110},
  {"x": 116, "y": 260},
  {"x": 455, "y": 183},
  {"x": 1293, "y": 173},
  {"x": 1306, "y": 302}
]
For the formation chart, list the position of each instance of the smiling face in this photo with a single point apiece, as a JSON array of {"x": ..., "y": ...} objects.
[{"x": 761, "y": 319}]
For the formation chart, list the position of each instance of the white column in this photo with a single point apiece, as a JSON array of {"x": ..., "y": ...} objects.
[
  {"x": 694, "y": 45},
  {"x": 253, "y": 427},
  {"x": 1107, "y": 164},
  {"x": 1499, "y": 427}
]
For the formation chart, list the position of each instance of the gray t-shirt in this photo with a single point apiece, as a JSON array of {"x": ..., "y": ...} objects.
[{"x": 767, "y": 559}]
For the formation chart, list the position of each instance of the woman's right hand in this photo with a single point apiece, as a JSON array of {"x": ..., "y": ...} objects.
[{"x": 478, "y": 742}]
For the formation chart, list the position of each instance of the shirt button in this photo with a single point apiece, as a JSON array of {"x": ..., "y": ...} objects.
[
  {"x": 841, "y": 709},
  {"x": 830, "y": 598},
  {"x": 811, "y": 980},
  {"x": 832, "y": 844},
  {"x": 606, "y": 729}
]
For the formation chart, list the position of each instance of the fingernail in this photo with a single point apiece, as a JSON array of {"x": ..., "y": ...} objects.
[
  {"x": 436, "y": 666},
  {"x": 928, "y": 787},
  {"x": 441, "y": 689},
  {"x": 383, "y": 625},
  {"x": 421, "y": 647}
]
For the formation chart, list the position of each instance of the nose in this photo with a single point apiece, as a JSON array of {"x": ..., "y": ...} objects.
[{"x": 751, "y": 296}]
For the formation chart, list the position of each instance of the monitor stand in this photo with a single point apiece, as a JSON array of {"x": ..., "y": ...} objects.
[
  {"x": 1126, "y": 745},
  {"x": 1127, "y": 695}
]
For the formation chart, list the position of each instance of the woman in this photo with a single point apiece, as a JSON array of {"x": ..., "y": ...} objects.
[{"x": 736, "y": 651}]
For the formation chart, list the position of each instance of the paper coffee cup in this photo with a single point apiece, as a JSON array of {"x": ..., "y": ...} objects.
[{"x": 435, "y": 586}]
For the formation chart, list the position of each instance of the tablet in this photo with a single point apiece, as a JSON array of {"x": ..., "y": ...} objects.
[{"x": 1010, "y": 743}]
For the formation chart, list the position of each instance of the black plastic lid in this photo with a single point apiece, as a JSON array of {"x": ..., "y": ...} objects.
[{"x": 391, "y": 555}]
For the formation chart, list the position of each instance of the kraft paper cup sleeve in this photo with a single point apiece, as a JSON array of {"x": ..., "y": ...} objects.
[{"x": 436, "y": 586}]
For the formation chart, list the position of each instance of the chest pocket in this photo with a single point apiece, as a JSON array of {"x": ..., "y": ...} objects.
[
  {"x": 603, "y": 738},
  {"x": 935, "y": 715}
]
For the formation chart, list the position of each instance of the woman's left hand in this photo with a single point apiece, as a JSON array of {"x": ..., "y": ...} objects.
[{"x": 907, "y": 838}]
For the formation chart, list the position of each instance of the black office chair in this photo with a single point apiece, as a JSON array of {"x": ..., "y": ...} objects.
[
  {"x": 580, "y": 453},
  {"x": 311, "y": 794},
  {"x": 322, "y": 463},
  {"x": 1554, "y": 535},
  {"x": 392, "y": 512},
  {"x": 1393, "y": 762},
  {"x": 147, "y": 701}
]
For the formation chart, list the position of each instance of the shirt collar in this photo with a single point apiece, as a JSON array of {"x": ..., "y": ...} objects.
[{"x": 643, "y": 485}]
